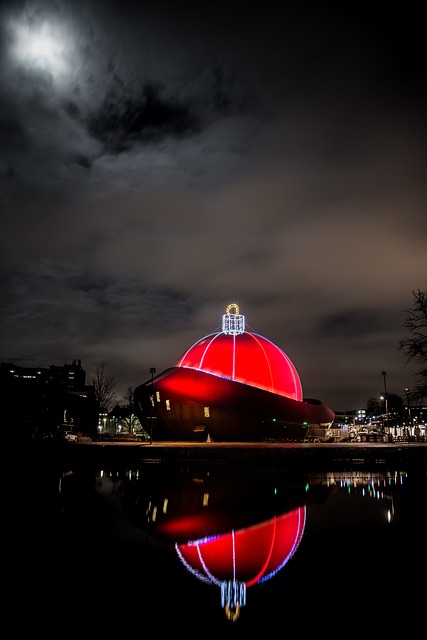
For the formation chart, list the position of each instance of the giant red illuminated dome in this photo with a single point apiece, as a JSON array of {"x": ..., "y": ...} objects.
[
  {"x": 233, "y": 385},
  {"x": 241, "y": 356}
]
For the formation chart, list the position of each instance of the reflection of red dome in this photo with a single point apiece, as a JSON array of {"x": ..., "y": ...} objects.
[
  {"x": 247, "y": 556},
  {"x": 232, "y": 527},
  {"x": 248, "y": 358}
]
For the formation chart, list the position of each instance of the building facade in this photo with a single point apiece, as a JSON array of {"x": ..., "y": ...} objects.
[{"x": 42, "y": 401}]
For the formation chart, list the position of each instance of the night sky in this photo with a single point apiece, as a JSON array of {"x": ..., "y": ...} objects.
[{"x": 162, "y": 160}]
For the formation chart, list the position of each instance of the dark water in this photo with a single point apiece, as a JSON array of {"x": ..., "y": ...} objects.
[{"x": 200, "y": 549}]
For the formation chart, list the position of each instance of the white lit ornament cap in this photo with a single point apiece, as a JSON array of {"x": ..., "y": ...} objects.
[{"x": 233, "y": 323}]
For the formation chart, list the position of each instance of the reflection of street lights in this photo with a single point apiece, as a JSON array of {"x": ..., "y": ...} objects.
[
  {"x": 383, "y": 373},
  {"x": 152, "y": 371}
]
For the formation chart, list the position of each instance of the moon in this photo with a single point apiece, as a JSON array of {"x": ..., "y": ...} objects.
[{"x": 43, "y": 46}]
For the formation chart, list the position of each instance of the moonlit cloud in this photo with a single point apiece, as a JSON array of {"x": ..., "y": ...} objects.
[{"x": 40, "y": 47}]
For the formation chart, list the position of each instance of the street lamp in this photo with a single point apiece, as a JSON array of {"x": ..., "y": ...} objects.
[
  {"x": 152, "y": 371},
  {"x": 408, "y": 428},
  {"x": 384, "y": 373}
]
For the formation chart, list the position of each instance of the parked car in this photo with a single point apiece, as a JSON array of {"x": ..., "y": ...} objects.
[{"x": 69, "y": 436}]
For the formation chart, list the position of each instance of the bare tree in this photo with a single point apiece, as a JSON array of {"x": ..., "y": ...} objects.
[
  {"x": 129, "y": 398},
  {"x": 104, "y": 385},
  {"x": 415, "y": 344}
]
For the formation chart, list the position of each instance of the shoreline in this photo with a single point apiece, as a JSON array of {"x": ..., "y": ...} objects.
[{"x": 313, "y": 456}]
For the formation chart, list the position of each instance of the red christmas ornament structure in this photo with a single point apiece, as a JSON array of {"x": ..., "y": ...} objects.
[{"x": 230, "y": 386}]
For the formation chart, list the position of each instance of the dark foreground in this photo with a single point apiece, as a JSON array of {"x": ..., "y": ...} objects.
[
  {"x": 88, "y": 560},
  {"x": 300, "y": 455}
]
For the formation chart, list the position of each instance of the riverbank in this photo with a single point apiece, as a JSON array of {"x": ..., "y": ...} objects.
[{"x": 313, "y": 456}]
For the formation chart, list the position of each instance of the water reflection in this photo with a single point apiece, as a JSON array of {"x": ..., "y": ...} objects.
[
  {"x": 230, "y": 528},
  {"x": 236, "y": 545}
]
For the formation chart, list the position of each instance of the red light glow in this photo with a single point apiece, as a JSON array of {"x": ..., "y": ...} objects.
[
  {"x": 249, "y": 555},
  {"x": 248, "y": 358}
]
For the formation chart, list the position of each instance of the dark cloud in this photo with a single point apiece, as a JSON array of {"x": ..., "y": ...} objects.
[
  {"x": 122, "y": 121},
  {"x": 161, "y": 160},
  {"x": 352, "y": 324}
]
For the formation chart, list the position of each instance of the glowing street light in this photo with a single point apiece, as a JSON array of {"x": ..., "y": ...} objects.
[
  {"x": 384, "y": 373},
  {"x": 152, "y": 371},
  {"x": 408, "y": 428}
]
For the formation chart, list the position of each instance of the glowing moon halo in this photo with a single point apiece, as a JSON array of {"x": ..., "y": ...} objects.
[{"x": 41, "y": 46}]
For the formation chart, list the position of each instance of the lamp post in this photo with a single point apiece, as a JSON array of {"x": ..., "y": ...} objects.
[
  {"x": 384, "y": 373},
  {"x": 408, "y": 428},
  {"x": 152, "y": 371}
]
